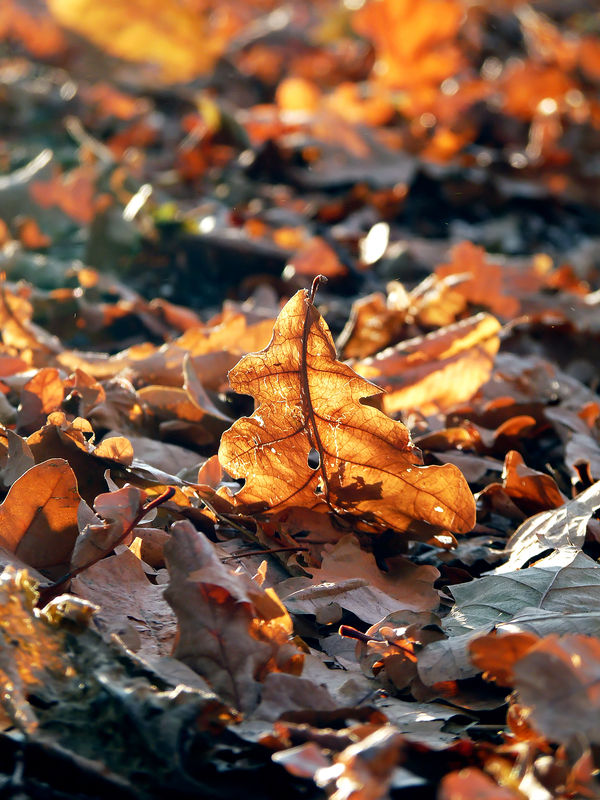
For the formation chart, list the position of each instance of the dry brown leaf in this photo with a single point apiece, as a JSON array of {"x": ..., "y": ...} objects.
[
  {"x": 38, "y": 518},
  {"x": 434, "y": 372},
  {"x": 559, "y": 680},
  {"x": 308, "y": 401},
  {"x": 473, "y": 784},
  {"x": 374, "y": 323},
  {"x": 532, "y": 491},
  {"x": 231, "y": 631},
  {"x": 490, "y": 285},
  {"x": 314, "y": 257},
  {"x": 120, "y": 510},
  {"x": 41, "y": 395},
  {"x": 350, "y": 578},
  {"x": 129, "y": 604},
  {"x": 19, "y": 460}
]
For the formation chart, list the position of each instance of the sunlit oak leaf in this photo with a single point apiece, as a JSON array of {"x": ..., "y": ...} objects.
[
  {"x": 362, "y": 461},
  {"x": 183, "y": 39},
  {"x": 436, "y": 371}
]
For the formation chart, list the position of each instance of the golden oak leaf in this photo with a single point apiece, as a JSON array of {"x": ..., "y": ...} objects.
[
  {"x": 308, "y": 405},
  {"x": 184, "y": 39},
  {"x": 436, "y": 371}
]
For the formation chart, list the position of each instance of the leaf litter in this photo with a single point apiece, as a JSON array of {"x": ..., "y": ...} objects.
[{"x": 238, "y": 556}]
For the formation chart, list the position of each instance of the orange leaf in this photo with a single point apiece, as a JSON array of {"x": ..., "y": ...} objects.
[
  {"x": 38, "y": 518},
  {"x": 496, "y": 655},
  {"x": 484, "y": 284},
  {"x": 119, "y": 511},
  {"x": 73, "y": 193},
  {"x": 436, "y": 371},
  {"x": 309, "y": 404},
  {"x": 414, "y": 41},
  {"x": 473, "y": 784}
]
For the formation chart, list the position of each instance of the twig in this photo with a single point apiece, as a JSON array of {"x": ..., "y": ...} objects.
[{"x": 265, "y": 552}]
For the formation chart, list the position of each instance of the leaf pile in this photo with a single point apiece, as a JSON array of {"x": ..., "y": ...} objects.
[{"x": 299, "y": 408}]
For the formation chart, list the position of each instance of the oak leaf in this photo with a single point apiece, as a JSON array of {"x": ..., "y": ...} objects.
[
  {"x": 436, "y": 371},
  {"x": 308, "y": 404}
]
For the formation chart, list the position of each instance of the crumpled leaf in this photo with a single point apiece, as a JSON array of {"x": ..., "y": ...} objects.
[
  {"x": 350, "y": 578},
  {"x": 307, "y": 401},
  {"x": 559, "y": 679},
  {"x": 38, "y": 518},
  {"x": 389, "y": 649},
  {"x": 119, "y": 511},
  {"x": 231, "y": 631},
  {"x": 129, "y": 604}
]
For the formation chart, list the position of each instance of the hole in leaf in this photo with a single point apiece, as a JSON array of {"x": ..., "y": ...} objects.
[{"x": 314, "y": 459}]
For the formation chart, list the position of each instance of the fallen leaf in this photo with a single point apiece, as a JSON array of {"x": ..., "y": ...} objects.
[
  {"x": 307, "y": 401},
  {"x": 231, "y": 631},
  {"x": 435, "y": 372},
  {"x": 38, "y": 518},
  {"x": 564, "y": 526},
  {"x": 559, "y": 680},
  {"x": 119, "y": 511},
  {"x": 350, "y": 578},
  {"x": 496, "y": 655},
  {"x": 142, "y": 31},
  {"x": 486, "y": 284},
  {"x": 415, "y": 42},
  {"x": 126, "y": 598},
  {"x": 365, "y": 768},
  {"x": 473, "y": 784},
  {"x": 558, "y": 595}
]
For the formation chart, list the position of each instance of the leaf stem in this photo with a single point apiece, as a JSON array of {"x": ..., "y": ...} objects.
[{"x": 319, "y": 279}]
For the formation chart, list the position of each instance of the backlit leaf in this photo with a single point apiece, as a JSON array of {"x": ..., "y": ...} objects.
[{"x": 308, "y": 401}]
